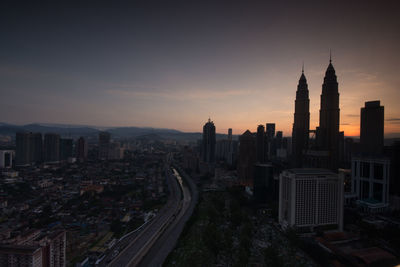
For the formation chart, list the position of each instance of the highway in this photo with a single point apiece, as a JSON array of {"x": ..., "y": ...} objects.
[
  {"x": 141, "y": 242},
  {"x": 167, "y": 241}
]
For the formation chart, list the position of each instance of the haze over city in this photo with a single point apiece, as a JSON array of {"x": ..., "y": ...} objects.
[{"x": 173, "y": 65}]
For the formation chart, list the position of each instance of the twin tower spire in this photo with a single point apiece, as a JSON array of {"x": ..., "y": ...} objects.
[{"x": 327, "y": 134}]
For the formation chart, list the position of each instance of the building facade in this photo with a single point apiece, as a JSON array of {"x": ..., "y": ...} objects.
[
  {"x": 301, "y": 124},
  {"x": 310, "y": 198},
  {"x": 370, "y": 182},
  {"x": 51, "y": 147},
  {"x": 372, "y": 128},
  {"x": 208, "y": 142}
]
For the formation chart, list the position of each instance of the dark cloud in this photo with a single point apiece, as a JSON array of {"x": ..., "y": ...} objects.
[{"x": 352, "y": 115}]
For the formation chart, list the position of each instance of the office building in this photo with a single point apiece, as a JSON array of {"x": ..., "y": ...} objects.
[
  {"x": 36, "y": 147},
  {"x": 265, "y": 188},
  {"x": 328, "y": 130},
  {"x": 21, "y": 255},
  {"x": 270, "y": 130},
  {"x": 260, "y": 146},
  {"x": 370, "y": 182},
  {"x": 372, "y": 128},
  {"x": 208, "y": 142},
  {"x": 326, "y": 152},
  {"x": 66, "y": 148},
  {"x": 310, "y": 198},
  {"x": 230, "y": 134},
  {"x": 6, "y": 158},
  {"x": 81, "y": 149},
  {"x": 29, "y": 148},
  {"x": 104, "y": 145},
  {"x": 301, "y": 124},
  {"x": 51, "y": 148},
  {"x": 247, "y": 158},
  {"x": 23, "y": 147}
]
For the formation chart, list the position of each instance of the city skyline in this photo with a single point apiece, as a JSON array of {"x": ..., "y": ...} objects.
[{"x": 174, "y": 66}]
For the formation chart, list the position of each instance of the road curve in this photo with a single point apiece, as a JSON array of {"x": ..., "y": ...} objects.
[{"x": 168, "y": 239}]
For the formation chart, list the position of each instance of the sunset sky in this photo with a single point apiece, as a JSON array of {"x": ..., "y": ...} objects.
[{"x": 174, "y": 64}]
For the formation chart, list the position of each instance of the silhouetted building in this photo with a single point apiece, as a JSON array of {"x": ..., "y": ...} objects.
[
  {"x": 247, "y": 158},
  {"x": 326, "y": 153},
  {"x": 22, "y": 156},
  {"x": 36, "y": 147},
  {"x": 230, "y": 134},
  {"x": 104, "y": 145},
  {"x": 81, "y": 149},
  {"x": 29, "y": 148},
  {"x": 370, "y": 182},
  {"x": 265, "y": 188},
  {"x": 328, "y": 130},
  {"x": 66, "y": 148},
  {"x": 51, "y": 147},
  {"x": 6, "y": 158},
  {"x": 270, "y": 129},
  {"x": 208, "y": 143},
  {"x": 309, "y": 198},
  {"x": 301, "y": 124},
  {"x": 372, "y": 128},
  {"x": 260, "y": 146}
]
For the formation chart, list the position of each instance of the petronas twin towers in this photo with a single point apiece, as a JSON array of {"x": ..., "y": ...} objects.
[{"x": 324, "y": 154}]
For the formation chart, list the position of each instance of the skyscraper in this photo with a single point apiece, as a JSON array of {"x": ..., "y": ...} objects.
[
  {"x": 372, "y": 128},
  {"x": 301, "y": 124},
  {"x": 270, "y": 127},
  {"x": 23, "y": 154},
  {"x": 247, "y": 157},
  {"x": 51, "y": 147},
  {"x": 65, "y": 148},
  {"x": 29, "y": 148},
  {"x": 230, "y": 134},
  {"x": 260, "y": 146},
  {"x": 104, "y": 145},
  {"x": 328, "y": 131},
  {"x": 36, "y": 150},
  {"x": 208, "y": 143},
  {"x": 81, "y": 149}
]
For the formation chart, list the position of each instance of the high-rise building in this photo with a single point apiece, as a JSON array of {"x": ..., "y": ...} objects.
[
  {"x": 265, "y": 186},
  {"x": 104, "y": 145},
  {"x": 6, "y": 158},
  {"x": 370, "y": 182},
  {"x": 247, "y": 158},
  {"x": 51, "y": 147},
  {"x": 29, "y": 148},
  {"x": 230, "y": 134},
  {"x": 21, "y": 255},
  {"x": 81, "y": 149},
  {"x": 270, "y": 128},
  {"x": 309, "y": 198},
  {"x": 36, "y": 147},
  {"x": 66, "y": 148},
  {"x": 260, "y": 146},
  {"x": 372, "y": 128},
  {"x": 22, "y": 156},
  {"x": 328, "y": 130},
  {"x": 208, "y": 143},
  {"x": 301, "y": 124}
]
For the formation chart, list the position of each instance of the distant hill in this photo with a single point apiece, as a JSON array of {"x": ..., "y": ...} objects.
[{"x": 75, "y": 131}]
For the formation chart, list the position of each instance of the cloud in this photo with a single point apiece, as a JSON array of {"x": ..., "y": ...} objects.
[
  {"x": 187, "y": 94},
  {"x": 352, "y": 115},
  {"x": 345, "y": 123},
  {"x": 393, "y": 120}
]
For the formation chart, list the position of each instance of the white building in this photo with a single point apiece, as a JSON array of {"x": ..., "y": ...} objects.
[
  {"x": 6, "y": 158},
  {"x": 370, "y": 182},
  {"x": 309, "y": 198}
]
